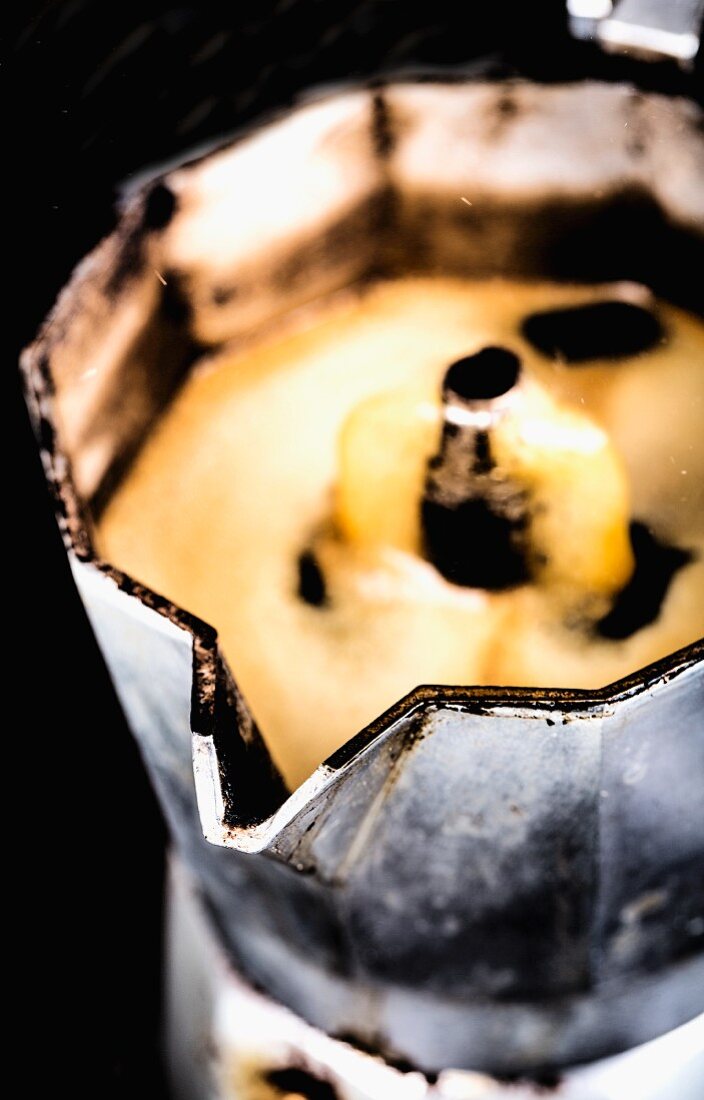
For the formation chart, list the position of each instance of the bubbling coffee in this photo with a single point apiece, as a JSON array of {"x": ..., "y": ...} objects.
[{"x": 429, "y": 480}]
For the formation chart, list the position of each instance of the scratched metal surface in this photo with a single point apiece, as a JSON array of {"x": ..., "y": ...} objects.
[
  {"x": 502, "y": 881},
  {"x": 483, "y": 886}
]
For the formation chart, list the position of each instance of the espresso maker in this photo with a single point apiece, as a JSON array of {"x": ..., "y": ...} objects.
[{"x": 487, "y": 891}]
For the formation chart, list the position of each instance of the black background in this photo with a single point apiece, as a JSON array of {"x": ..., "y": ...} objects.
[{"x": 100, "y": 91}]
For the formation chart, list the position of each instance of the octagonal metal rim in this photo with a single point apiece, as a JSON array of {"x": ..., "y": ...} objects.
[{"x": 208, "y": 661}]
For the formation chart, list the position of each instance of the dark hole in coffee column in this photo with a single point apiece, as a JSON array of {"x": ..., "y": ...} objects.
[
  {"x": 473, "y": 525},
  {"x": 472, "y": 546},
  {"x": 311, "y": 582},
  {"x": 640, "y": 602},
  {"x": 596, "y": 330},
  {"x": 489, "y": 373}
]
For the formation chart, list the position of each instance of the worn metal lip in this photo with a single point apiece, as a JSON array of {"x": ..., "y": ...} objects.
[
  {"x": 75, "y": 529},
  {"x": 571, "y": 704},
  {"x": 207, "y": 660},
  {"x": 490, "y": 699}
]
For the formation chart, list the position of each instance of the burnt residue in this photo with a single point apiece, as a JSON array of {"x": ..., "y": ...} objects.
[
  {"x": 416, "y": 707},
  {"x": 504, "y": 110},
  {"x": 462, "y": 936},
  {"x": 139, "y": 384},
  {"x": 383, "y": 137},
  {"x": 377, "y": 1046},
  {"x": 300, "y": 1082},
  {"x": 251, "y": 911},
  {"x": 384, "y": 228},
  {"x": 175, "y": 305},
  {"x": 352, "y": 854},
  {"x": 205, "y": 635},
  {"x": 311, "y": 587},
  {"x": 129, "y": 258},
  {"x": 640, "y": 601},
  {"x": 160, "y": 206},
  {"x": 636, "y": 126},
  {"x": 658, "y": 916},
  {"x": 69, "y": 509},
  {"x": 223, "y": 295},
  {"x": 150, "y": 213},
  {"x": 607, "y": 237},
  {"x": 149, "y": 376},
  {"x": 251, "y": 785},
  {"x": 411, "y": 709},
  {"x": 596, "y": 330},
  {"x": 540, "y": 1083},
  {"x": 385, "y": 233},
  {"x": 345, "y": 241},
  {"x": 624, "y": 235}
]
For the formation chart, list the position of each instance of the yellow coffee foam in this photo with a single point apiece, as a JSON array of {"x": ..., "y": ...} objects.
[{"x": 240, "y": 471}]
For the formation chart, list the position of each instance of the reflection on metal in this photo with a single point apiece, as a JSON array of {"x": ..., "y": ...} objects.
[
  {"x": 500, "y": 880},
  {"x": 584, "y": 15},
  {"x": 226, "y": 1040},
  {"x": 651, "y": 29},
  {"x": 589, "y": 9}
]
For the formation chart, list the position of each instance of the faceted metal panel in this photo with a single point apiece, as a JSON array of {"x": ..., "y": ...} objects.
[{"x": 505, "y": 878}]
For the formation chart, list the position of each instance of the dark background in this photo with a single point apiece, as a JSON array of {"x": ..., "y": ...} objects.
[{"x": 102, "y": 90}]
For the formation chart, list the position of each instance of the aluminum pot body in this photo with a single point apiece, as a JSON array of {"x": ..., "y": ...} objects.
[
  {"x": 502, "y": 879},
  {"x": 227, "y": 1039},
  {"x": 476, "y": 870}
]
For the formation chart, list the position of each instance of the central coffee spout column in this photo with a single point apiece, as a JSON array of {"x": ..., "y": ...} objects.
[{"x": 473, "y": 515}]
